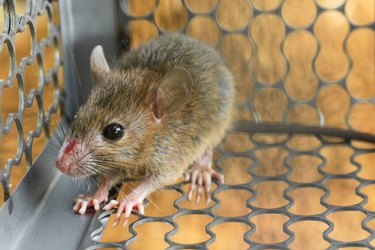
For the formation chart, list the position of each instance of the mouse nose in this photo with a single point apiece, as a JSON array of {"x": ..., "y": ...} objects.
[
  {"x": 63, "y": 165},
  {"x": 72, "y": 156},
  {"x": 65, "y": 161}
]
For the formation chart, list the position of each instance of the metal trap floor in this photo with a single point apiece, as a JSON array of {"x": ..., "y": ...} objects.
[{"x": 280, "y": 192}]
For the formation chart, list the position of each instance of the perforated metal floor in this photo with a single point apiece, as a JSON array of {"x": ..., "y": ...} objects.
[{"x": 281, "y": 185}]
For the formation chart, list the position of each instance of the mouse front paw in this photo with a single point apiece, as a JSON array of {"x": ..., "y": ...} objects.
[
  {"x": 82, "y": 202},
  {"x": 125, "y": 206}
]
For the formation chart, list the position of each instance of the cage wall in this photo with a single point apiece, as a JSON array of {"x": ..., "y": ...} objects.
[{"x": 30, "y": 84}]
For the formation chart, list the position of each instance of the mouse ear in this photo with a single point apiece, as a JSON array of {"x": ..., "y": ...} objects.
[
  {"x": 171, "y": 92},
  {"x": 98, "y": 63}
]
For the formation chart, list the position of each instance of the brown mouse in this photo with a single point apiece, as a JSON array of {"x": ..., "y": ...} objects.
[{"x": 162, "y": 108}]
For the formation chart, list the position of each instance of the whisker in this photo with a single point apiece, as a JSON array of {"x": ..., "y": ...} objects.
[
  {"x": 103, "y": 160},
  {"x": 76, "y": 71},
  {"x": 120, "y": 192},
  {"x": 99, "y": 170}
]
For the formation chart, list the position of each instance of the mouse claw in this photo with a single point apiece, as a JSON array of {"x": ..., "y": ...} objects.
[
  {"x": 207, "y": 187},
  {"x": 85, "y": 201},
  {"x": 193, "y": 177},
  {"x": 202, "y": 182},
  {"x": 201, "y": 176},
  {"x": 83, "y": 207},
  {"x": 95, "y": 202},
  {"x": 110, "y": 205},
  {"x": 199, "y": 190},
  {"x": 126, "y": 206}
]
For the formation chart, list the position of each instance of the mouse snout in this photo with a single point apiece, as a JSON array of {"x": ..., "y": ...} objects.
[
  {"x": 64, "y": 165},
  {"x": 68, "y": 157}
]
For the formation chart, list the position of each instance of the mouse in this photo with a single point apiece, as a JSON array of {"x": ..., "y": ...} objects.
[{"x": 156, "y": 114}]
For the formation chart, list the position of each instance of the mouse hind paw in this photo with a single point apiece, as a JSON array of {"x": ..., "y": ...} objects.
[{"x": 201, "y": 175}]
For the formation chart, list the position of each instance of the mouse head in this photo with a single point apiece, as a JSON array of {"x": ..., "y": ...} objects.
[{"x": 114, "y": 129}]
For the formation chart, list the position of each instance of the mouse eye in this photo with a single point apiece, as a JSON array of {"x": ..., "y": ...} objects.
[{"x": 113, "y": 132}]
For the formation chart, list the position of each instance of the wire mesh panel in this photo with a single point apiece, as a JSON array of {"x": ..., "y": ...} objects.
[{"x": 30, "y": 63}]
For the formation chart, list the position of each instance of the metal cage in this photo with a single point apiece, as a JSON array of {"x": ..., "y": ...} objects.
[{"x": 294, "y": 184}]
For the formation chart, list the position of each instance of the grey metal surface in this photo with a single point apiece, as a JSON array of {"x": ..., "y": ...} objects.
[
  {"x": 42, "y": 209},
  {"x": 80, "y": 36}
]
